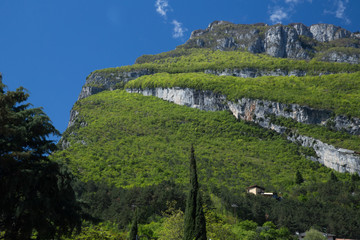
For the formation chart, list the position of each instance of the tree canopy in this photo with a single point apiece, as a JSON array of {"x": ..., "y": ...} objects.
[{"x": 36, "y": 197}]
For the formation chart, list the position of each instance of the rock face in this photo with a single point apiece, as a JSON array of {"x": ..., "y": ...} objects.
[
  {"x": 99, "y": 81},
  {"x": 336, "y": 56},
  {"x": 328, "y": 32},
  {"x": 339, "y": 159},
  {"x": 277, "y": 40},
  {"x": 260, "y": 112},
  {"x": 252, "y": 73},
  {"x": 281, "y": 41}
]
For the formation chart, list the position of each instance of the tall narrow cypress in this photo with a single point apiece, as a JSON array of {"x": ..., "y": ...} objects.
[
  {"x": 134, "y": 228},
  {"x": 194, "y": 222},
  {"x": 299, "y": 178}
]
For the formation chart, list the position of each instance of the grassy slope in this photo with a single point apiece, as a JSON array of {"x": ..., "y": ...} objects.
[{"x": 132, "y": 140}]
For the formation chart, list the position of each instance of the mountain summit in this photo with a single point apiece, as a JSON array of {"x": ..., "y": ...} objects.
[{"x": 295, "y": 40}]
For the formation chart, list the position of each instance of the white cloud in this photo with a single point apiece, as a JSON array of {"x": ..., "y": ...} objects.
[
  {"x": 296, "y": 1},
  {"x": 178, "y": 31},
  {"x": 277, "y": 15},
  {"x": 339, "y": 13},
  {"x": 162, "y": 7},
  {"x": 292, "y": 1}
]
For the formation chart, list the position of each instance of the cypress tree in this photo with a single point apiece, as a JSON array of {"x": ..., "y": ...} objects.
[
  {"x": 134, "y": 228},
  {"x": 333, "y": 177},
  {"x": 194, "y": 223},
  {"x": 299, "y": 178}
]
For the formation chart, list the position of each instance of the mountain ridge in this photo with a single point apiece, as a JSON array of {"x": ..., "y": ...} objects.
[{"x": 293, "y": 41}]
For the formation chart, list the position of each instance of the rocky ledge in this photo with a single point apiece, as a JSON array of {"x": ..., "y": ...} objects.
[{"x": 109, "y": 80}]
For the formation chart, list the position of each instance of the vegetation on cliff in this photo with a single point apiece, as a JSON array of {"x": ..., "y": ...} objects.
[
  {"x": 336, "y": 92},
  {"x": 199, "y": 60},
  {"x": 127, "y": 133}
]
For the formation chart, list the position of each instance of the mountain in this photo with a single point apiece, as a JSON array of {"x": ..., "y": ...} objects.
[
  {"x": 260, "y": 104},
  {"x": 312, "y": 103}
]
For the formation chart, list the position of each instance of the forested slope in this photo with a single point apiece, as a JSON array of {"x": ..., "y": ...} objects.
[{"x": 267, "y": 120}]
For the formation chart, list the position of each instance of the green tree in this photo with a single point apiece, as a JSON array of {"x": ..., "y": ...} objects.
[
  {"x": 314, "y": 234},
  {"x": 333, "y": 177},
  {"x": 134, "y": 228},
  {"x": 194, "y": 223},
  {"x": 299, "y": 178},
  {"x": 173, "y": 225},
  {"x": 36, "y": 197}
]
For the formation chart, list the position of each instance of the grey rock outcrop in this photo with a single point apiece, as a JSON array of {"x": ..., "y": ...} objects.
[
  {"x": 252, "y": 73},
  {"x": 277, "y": 40},
  {"x": 99, "y": 81},
  {"x": 328, "y": 32},
  {"x": 281, "y": 41},
  {"x": 336, "y": 56},
  {"x": 260, "y": 111},
  {"x": 339, "y": 159},
  {"x": 302, "y": 30}
]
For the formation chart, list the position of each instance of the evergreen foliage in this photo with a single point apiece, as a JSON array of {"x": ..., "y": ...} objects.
[
  {"x": 36, "y": 197},
  {"x": 299, "y": 178},
  {"x": 333, "y": 177},
  {"x": 194, "y": 220},
  {"x": 134, "y": 228},
  {"x": 333, "y": 206},
  {"x": 104, "y": 203}
]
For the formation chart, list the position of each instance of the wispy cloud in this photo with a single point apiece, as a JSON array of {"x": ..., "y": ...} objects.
[
  {"x": 297, "y": 1},
  {"x": 292, "y": 1},
  {"x": 179, "y": 30},
  {"x": 339, "y": 12},
  {"x": 280, "y": 12},
  {"x": 277, "y": 15},
  {"x": 162, "y": 7}
]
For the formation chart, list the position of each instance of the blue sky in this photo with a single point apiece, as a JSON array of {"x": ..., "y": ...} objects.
[{"x": 49, "y": 46}]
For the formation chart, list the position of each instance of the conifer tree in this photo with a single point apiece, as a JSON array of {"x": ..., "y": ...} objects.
[
  {"x": 134, "y": 228},
  {"x": 299, "y": 178},
  {"x": 36, "y": 195},
  {"x": 194, "y": 223},
  {"x": 333, "y": 177}
]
